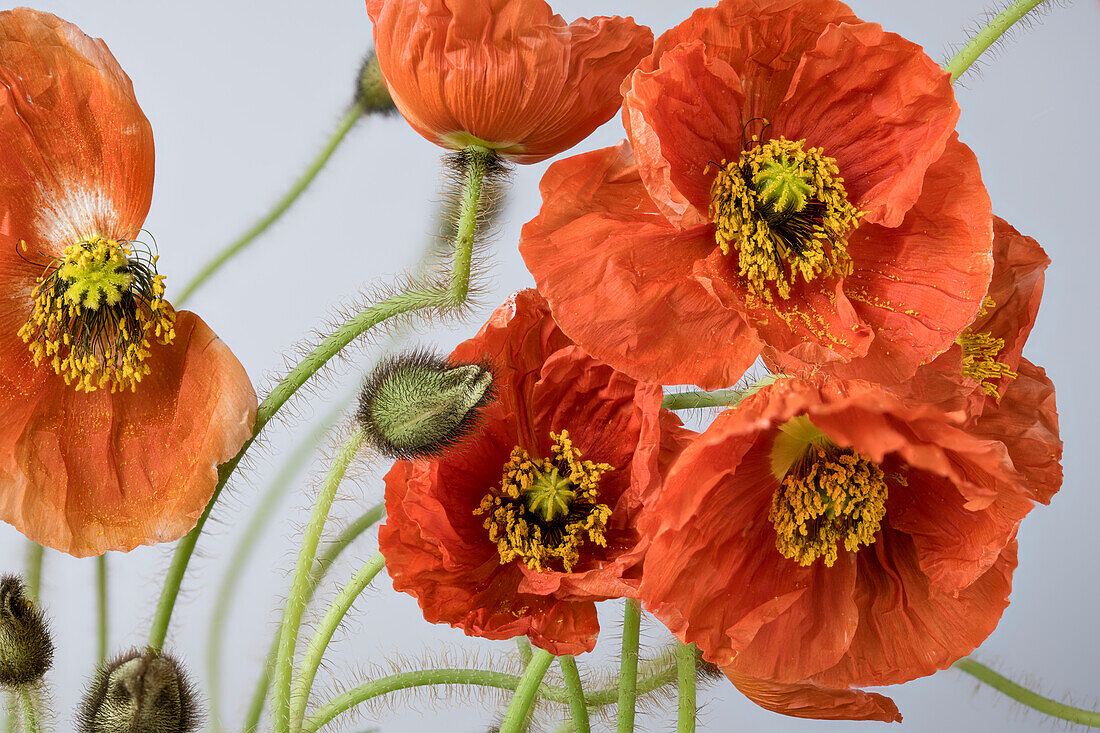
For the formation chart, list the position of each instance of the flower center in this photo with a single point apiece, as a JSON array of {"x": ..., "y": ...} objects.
[
  {"x": 94, "y": 313},
  {"x": 784, "y": 209},
  {"x": 979, "y": 355},
  {"x": 829, "y": 495},
  {"x": 545, "y": 509}
]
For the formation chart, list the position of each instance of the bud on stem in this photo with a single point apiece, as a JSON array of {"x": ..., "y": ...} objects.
[
  {"x": 26, "y": 650},
  {"x": 139, "y": 691}
]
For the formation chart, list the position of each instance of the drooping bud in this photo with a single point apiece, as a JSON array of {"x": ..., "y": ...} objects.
[
  {"x": 26, "y": 650},
  {"x": 371, "y": 94},
  {"x": 139, "y": 691},
  {"x": 417, "y": 404}
]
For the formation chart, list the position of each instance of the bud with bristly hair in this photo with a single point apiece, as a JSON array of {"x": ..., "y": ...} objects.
[
  {"x": 417, "y": 404},
  {"x": 371, "y": 94},
  {"x": 26, "y": 650},
  {"x": 141, "y": 690}
]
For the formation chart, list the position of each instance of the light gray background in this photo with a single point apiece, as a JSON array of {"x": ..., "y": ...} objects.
[{"x": 242, "y": 94}]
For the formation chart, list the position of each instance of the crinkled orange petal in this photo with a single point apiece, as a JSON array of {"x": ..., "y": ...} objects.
[
  {"x": 919, "y": 284},
  {"x": 618, "y": 277},
  {"x": 507, "y": 73},
  {"x": 908, "y": 629},
  {"x": 84, "y": 473},
  {"x": 77, "y": 154},
  {"x": 811, "y": 700},
  {"x": 879, "y": 105},
  {"x": 681, "y": 119}
]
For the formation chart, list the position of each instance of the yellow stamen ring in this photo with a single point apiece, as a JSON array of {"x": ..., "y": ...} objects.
[
  {"x": 979, "y": 355},
  {"x": 94, "y": 314},
  {"x": 545, "y": 509},
  {"x": 784, "y": 208}
]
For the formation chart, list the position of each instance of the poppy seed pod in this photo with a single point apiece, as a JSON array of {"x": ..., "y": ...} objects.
[
  {"x": 140, "y": 690},
  {"x": 417, "y": 404},
  {"x": 26, "y": 651},
  {"x": 371, "y": 94}
]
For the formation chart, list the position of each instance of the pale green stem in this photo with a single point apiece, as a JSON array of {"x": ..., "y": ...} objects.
[
  {"x": 295, "y": 605},
  {"x": 102, "y": 607},
  {"x": 685, "y": 675},
  {"x": 578, "y": 708},
  {"x": 628, "y": 665},
  {"x": 419, "y": 298},
  {"x": 664, "y": 674},
  {"x": 523, "y": 646},
  {"x": 233, "y": 248},
  {"x": 35, "y": 555},
  {"x": 324, "y": 562},
  {"x": 515, "y": 717},
  {"x": 237, "y": 564},
  {"x": 987, "y": 36},
  {"x": 694, "y": 400},
  {"x": 31, "y": 716},
  {"x": 1026, "y": 697},
  {"x": 307, "y": 672}
]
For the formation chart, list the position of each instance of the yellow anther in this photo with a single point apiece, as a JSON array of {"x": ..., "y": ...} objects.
[
  {"x": 545, "y": 509},
  {"x": 92, "y": 312},
  {"x": 830, "y": 496},
  {"x": 784, "y": 208}
]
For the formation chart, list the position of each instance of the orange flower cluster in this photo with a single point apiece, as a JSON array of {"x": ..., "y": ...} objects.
[{"x": 792, "y": 188}]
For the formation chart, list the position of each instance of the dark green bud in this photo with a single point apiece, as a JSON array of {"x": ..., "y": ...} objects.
[
  {"x": 417, "y": 404},
  {"x": 139, "y": 691},
  {"x": 26, "y": 650},
  {"x": 371, "y": 94}
]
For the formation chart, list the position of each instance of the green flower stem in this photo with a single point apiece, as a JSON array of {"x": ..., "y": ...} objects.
[
  {"x": 515, "y": 717},
  {"x": 101, "y": 603},
  {"x": 307, "y": 672},
  {"x": 31, "y": 715},
  {"x": 628, "y": 670},
  {"x": 419, "y": 298},
  {"x": 324, "y": 562},
  {"x": 233, "y": 248},
  {"x": 694, "y": 400},
  {"x": 35, "y": 555},
  {"x": 523, "y": 646},
  {"x": 578, "y": 708},
  {"x": 295, "y": 605},
  {"x": 685, "y": 674},
  {"x": 238, "y": 562},
  {"x": 1026, "y": 697},
  {"x": 478, "y": 160},
  {"x": 987, "y": 36},
  {"x": 664, "y": 674}
]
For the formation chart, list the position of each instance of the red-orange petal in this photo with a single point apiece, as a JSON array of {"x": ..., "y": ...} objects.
[
  {"x": 508, "y": 73},
  {"x": 84, "y": 473},
  {"x": 618, "y": 277},
  {"x": 77, "y": 157},
  {"x": 811, "y": 700},
  {"x": 918, "y": 285},
  {"x": 879, "y": 105}
]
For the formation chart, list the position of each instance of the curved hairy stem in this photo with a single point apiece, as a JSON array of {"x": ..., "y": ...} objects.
[
  {"x": 987, "y": 36},
  {"x": 292, "y": 616},
  {"x": 419, "y": 298},
  {"x": 1022, "y": 695},
  {"x": 515, "y": 717},
  {"x": 307, "y": 672},
  {"x": 578, "y": 708},
  {"x": 695, "y": 400},
  {"x": 237, "y": 245}
]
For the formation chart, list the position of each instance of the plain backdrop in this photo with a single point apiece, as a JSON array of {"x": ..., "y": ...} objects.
[{"x": 241, "y": 95}]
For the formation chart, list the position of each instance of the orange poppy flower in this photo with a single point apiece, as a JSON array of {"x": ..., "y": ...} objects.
[
  {"x": 793, "y": 184},
  {"x": 505, "y": 74},
  {"x": 827, "y": 535},
  {"x": 531, "y": 521},
  {"x": 116, "y": 409}
]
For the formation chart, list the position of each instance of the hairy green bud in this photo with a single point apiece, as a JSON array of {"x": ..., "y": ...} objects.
[
  {"x": 26, "y": 650},
  {"x": 139, "y": 691},
  {"x": 417, "y": 404},
  {"x": 371, "y": 94}
]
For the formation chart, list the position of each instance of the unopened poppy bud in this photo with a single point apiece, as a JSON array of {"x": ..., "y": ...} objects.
[
  {"x": 371, "y": 93},
  {"x": 416, "y": 404},
  {"x": 139, "y": 691},
  {"x": 26, "y": 651}
]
